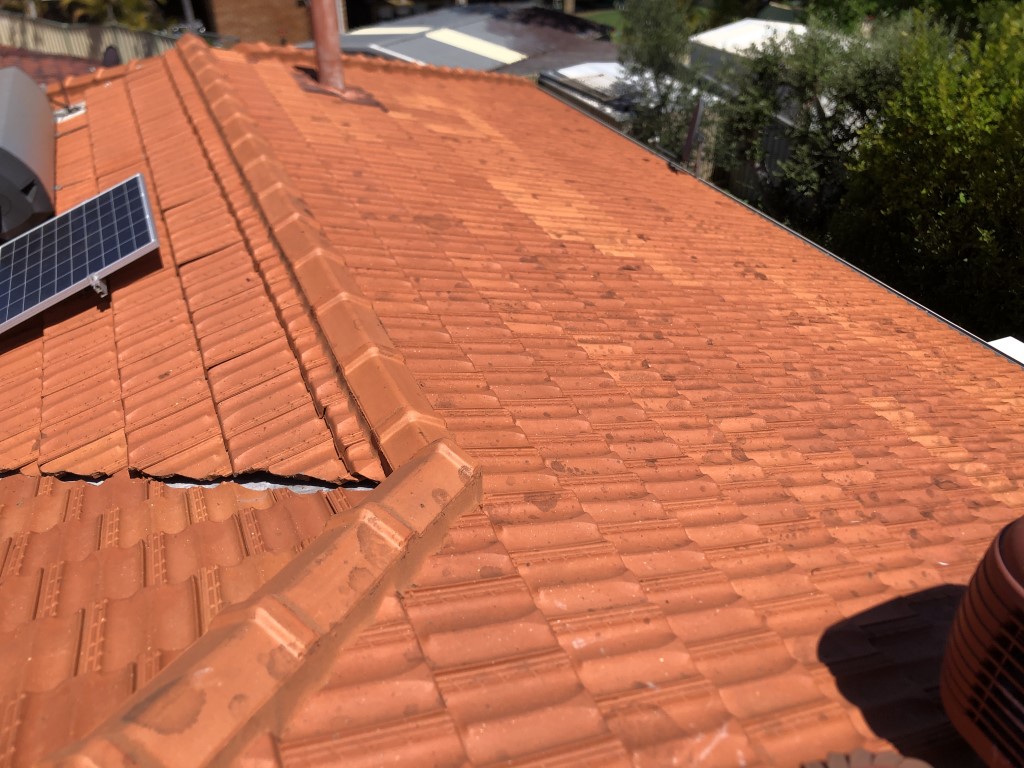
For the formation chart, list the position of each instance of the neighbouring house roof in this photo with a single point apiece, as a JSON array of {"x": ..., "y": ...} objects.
[
  {"x": 661, "y": 482},
  {"x": 514, "y": 39},
  {"x": 715, "y": 49},
  {"x": 44, "y": 67},
  {"x": 743, "y": 34},
  {"x": 1010, "y": 347},
  {"x": 603, "y": 88},
  {"x": 600, "y": 88}
]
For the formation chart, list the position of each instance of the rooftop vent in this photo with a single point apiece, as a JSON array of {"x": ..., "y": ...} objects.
[
  {"x": 26, "y": 154},
  {"x": 982, "y": 682}
]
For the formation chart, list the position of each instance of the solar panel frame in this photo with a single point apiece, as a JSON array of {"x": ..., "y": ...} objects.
[{"x": 74, "y": 250}]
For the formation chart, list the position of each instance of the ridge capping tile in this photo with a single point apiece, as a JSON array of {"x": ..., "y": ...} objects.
[
  {"x": 249, "y": 149},
  {"x": 247, "y": 674}
]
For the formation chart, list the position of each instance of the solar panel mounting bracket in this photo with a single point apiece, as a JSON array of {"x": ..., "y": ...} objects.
[{"x": 99, "y": 285}]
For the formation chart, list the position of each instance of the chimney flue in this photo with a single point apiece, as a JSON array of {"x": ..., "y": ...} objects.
[{"x": 328, "y": 45}]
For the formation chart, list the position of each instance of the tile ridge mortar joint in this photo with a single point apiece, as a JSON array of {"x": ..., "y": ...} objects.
[{"x": 400, "y": 418}]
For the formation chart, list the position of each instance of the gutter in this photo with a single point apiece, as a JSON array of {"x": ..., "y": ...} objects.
[{"x": 586, "y": 104}]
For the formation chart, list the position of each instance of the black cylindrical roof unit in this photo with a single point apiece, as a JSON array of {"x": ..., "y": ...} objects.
[{"x": 982, "y": 682}]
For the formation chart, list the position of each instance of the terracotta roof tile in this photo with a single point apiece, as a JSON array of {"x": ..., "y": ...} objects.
[
  {"x": 722, "y": 474},
  {"x": 207, "y": 361},
  {"x": 557, "y": 401},
  {"x": 103, "y": 585},
  {"x": 96, "y": 577}
]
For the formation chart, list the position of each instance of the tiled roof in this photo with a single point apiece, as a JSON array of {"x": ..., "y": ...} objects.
[
  {"x": 44, "y": 67},
  {"x": 132, "y": 586},
  {"x": 104, "y": 585},
  {"x": 730, "y": 485},
  {"x": 193, "y": 369}
]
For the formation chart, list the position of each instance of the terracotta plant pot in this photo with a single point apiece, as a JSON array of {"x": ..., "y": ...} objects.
[{"x": 982, "y": 683}]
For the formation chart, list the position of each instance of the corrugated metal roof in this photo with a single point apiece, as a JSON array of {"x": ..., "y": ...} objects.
[{"x": 517, "y": 39}]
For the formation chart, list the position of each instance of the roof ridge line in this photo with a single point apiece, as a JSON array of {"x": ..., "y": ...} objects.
[
  {"x": 401, "y": 420},
  {"x": 259, "y": 658},
  {"x": 307, "y": 57}
]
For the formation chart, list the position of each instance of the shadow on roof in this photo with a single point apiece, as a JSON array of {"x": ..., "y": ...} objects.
[
  {"x": 886, "y": 662},
  {"x": 136, "y": 270}
]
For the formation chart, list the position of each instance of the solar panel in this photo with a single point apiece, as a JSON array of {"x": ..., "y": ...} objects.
[{"x": 74, "y": 250}]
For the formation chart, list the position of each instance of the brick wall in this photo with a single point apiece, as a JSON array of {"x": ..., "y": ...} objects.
[{"x": 267, "y": 20}]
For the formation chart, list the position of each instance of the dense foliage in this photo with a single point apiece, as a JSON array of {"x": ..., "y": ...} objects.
[
  {"x": 791, "y": 114},
  {"x": 133, "y": 13},
  {"x": 848, "y": 15},
  {"x": 936, "y": 200},
  {"x": 715, "y": 14},
  {"x": 139, "y": 14}
]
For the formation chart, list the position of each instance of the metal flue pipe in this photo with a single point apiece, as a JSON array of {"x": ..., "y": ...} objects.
[{"x": 328, "y": 46}]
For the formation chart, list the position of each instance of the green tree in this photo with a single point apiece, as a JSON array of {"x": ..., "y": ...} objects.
[
  {"x": 963, "y": 16},
  {"x": 936, "y": 203},
  {"x": 791, "y": 113},
  {"x": 653, "y": 47},
  {"x": 719, "y": 12}
]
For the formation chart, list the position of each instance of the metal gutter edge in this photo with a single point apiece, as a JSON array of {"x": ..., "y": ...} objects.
[{"x": 562, "y": 92}]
